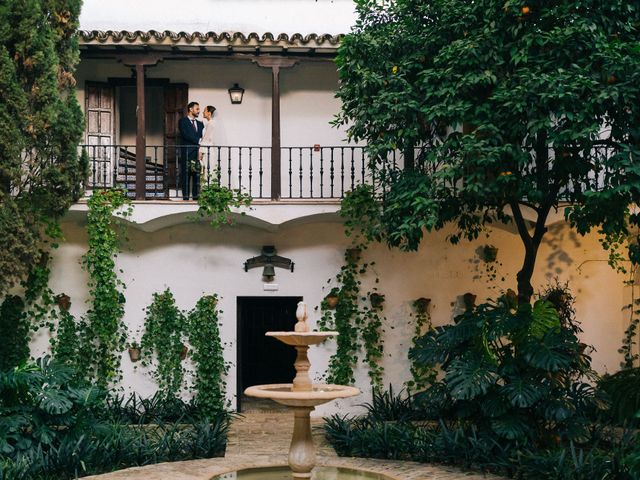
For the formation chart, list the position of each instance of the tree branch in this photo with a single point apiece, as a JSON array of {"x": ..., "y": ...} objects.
[{"x": 520, "y": 223}]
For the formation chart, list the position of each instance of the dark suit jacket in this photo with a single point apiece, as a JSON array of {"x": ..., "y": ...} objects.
[{"x": 190, "y": 138}]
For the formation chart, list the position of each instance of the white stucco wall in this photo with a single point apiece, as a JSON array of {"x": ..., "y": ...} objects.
[
  {"x": 260, "y": 16},
  {"x": 192, "y": 259},
  {"x": 308, "y": 84}
]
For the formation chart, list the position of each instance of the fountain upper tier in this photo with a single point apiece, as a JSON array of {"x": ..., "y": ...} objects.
[{"x": 299, "y": 339}]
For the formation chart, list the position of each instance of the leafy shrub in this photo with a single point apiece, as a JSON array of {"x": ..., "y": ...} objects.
[
  {"x": 386, "y": 406},
  {"x": 54, "y": 428},
  {"x": 163, "y": 342},
  {"x": 208, "y": 356},
  {"x": 158, "y": 408},
  {"x": 623, "y": 389},
  {"x": 466, "y": 446},
  {"x": 40, "y": 403},
  {"x": 516, "y": 371}
]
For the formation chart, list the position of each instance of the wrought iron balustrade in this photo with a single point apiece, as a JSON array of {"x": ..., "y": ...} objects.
[{"x": 306, "y": 172}]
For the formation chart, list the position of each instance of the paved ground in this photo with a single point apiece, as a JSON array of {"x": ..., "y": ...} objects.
[{"x": 262, "y": 440}]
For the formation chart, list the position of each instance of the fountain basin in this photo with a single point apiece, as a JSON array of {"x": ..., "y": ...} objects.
[
  {"x": 322, "y": 473},
  {"x": 319, "y": 394},
  {"x": 299, "y": 339}
]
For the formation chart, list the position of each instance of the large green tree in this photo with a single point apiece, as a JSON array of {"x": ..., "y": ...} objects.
[
  {"x": 505, "y": 110},
  {"x": 40, "y": 127}
]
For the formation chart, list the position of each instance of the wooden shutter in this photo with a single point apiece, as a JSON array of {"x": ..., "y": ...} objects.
[
  {"x": 176, "y": 97},
  {"x": 100, "y": 130}
]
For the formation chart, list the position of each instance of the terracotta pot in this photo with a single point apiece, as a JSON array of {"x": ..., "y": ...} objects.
[
  {"x": 63, "y": 301},
  {"x": 422, "y": 304},
  {"x": 353, "y": 254},
  {"x": 332, "y": 301},
  {"x": 183, "y": 353},
  {"x": 134, "y": 354},
  {"x": 469, "y": 300},
  {"x": 376, "y": 300}
]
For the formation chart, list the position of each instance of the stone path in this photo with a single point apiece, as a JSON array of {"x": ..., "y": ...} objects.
[{"x": 262, "y": 440}]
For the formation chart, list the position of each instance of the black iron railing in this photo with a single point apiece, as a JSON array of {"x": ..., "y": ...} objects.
[
  {"x": 317, "y": 172},
  {"x": 307, "y": 172}
]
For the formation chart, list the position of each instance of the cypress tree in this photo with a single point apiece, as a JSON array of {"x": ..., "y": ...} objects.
[{"x": 41, "y": 125}]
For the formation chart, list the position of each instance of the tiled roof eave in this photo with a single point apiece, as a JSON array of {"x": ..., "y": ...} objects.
[{"x": 153, "y": 38}]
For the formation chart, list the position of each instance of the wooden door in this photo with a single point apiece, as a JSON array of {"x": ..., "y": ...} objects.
[
  {"x": 176, "y": 97},
  {"x": 100, "y": 132},
  {"x": 264, "y": 360}
]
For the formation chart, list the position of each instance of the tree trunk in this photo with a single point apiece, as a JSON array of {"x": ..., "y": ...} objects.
[{"x": 525, "y": 289}]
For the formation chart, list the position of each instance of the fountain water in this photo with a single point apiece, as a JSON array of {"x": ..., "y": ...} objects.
[{"x": 302, "y": 396}]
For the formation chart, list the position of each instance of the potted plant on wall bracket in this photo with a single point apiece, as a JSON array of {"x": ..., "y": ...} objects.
[
  {"x": 353, "y": 254},
  {"x": 469, "y": 301},
  {"x": 376, "y": 299},
  {"x": 134, "y": 351},
  {"x": 422, "y": 304},
  {"x": 332, "y": 298},
  {"x": 490, "y": 253},
  {"x": 64, "y": 301}
]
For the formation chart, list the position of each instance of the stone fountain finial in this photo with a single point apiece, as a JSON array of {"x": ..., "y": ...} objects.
[{"x": 302, "y": 314}]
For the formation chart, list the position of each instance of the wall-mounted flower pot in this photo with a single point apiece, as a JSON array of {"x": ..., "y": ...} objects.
[
  {"x": 490, "y": 253},
  {"x": 376, "y": 300},
  {"x": 183, "y": 353},
  {"x": 353, "y": 254},
  {"x": 469, "y": 300},
  {"x": 134, "y": 354},
  {"x": 422, "y": 304},
  {"x": 64, "y": 302},
  {"x": 331, "y": 301}
]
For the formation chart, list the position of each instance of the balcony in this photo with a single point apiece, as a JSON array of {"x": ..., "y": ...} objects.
[{"x": 305, "y": 173}]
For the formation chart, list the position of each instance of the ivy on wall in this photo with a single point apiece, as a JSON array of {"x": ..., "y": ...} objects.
[
  {"x": 208, "y": 355},
  {"x": 162, "y": 344},
  {"x": 359, "y": 325},
  {"x": 423, "y": 374},
  {"x": 102, "y": 332},
  {"x": 215, "y": 202}
]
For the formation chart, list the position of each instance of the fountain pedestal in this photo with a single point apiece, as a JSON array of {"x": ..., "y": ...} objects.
[
  {"x": 302, "y": 452},
  {"x": 302, "y": 396}
]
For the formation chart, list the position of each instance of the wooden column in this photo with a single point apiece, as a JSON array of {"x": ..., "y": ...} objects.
[
  {"x": 141, "y": 136},
  {"x": 139, "y": 62},
  {"x": 275, "y": 64},
  {"x": 276, "y": 153}
]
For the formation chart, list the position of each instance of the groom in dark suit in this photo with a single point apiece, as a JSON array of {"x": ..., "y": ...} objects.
[{"x": 191, "y": 133}]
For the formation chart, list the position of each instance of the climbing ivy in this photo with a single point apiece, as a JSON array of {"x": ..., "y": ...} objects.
[
  {"x": 65, "y": 344},
  {"x": 162, "y": 343},
  {"x": 423, "y": 374},
  {"x": 215, "y": 202},
  {"x": 630, "y": 340},
  {"x": 102, "y": 332},
  {"x": 208, "y": 355},
  {"x": 359, "y": 326}
]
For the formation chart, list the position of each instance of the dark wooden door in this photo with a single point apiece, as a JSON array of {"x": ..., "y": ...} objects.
[
  {"x": 176, "y": 97},
  {"x": 100, "y": 131},
  {"x": 263, "y": 360}
]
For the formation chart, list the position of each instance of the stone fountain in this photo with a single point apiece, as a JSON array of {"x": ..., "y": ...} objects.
[{"x": 302, "y": 396}]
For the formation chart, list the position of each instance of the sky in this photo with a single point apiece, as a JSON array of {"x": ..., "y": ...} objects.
[{"x": 246, "y": 16}]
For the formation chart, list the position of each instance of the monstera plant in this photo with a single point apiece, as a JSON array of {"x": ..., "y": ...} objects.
[{"x": 517, "y": 371}]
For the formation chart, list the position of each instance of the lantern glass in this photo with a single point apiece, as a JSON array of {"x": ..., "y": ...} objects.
[{"x": 236, "y": 93}]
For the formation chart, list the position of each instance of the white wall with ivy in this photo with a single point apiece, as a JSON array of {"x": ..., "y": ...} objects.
[{"x": 193, "y": 259}]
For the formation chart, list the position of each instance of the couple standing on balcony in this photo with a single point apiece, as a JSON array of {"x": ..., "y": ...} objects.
[{"x": 194, "y": 135}]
